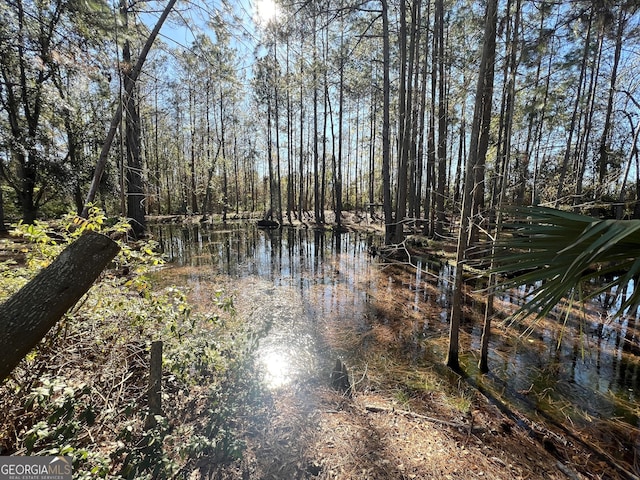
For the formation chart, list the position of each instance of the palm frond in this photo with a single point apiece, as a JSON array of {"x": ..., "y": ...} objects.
[{"x": 558, "y": 252}]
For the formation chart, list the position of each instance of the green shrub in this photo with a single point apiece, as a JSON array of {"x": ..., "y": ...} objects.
[{"x": 82, "y": 391}]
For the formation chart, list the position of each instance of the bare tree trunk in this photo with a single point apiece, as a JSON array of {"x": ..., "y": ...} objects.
[
  {"x": 206, "y": 203},
  {"x": 372, "y": 150},
  {"x": 442, "y": 119},
  {"x": 301, "y": 175},
  {"x": 192, "y": 159},
  {"x": 356, "y": 203},
  {"x": 338, "y": 167},
  {"x": 276, "y": 115},
  {"x": 403, "y": 100},
  {"x": 3, "y": 227},
  {"x": 223, "y": 146},
  {"x": 521, "y": 166},
  {"x": 156, "y": 152},
  {"x": 500, "y": 185},
  {"x": 325, "y": 119},
  {"x": 430, "y": 181},
  {"x": 576, "y": 110},
  {"x": 413, "y": 199},
  {"x": 603, "y": 161},
  {"x": 29, "y": 314},
  {"x": 290, "y": 174},
  {"x": 619, "y": 211},
  {"x": 236, "y": 174},
  {"x": 210, "y": 162},
  {"x": 154, "y": 390},
  {"x": 507, "y": 108},
  {"x": 117, "y": 116},
  {"x": 272, "y": 203},
  {"x": 479, "y": 156},
  {"x": 538, "y": 136},
  {"x": 420, "y": 130},
  {"x": 316, "y": 155},
  {"x": 582, "y": 150},
  {"x": 481, "y": 113},
  {"x": 135, "y": 192},
  {"x": 386, "y": 107}
]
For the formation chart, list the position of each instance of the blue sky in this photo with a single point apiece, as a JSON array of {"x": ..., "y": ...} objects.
[{"x": 189, "y": 19}]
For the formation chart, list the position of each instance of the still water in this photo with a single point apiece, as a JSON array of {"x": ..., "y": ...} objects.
[
  {"x": 308, "y": 285},
  {"x": 290, "y": 280}
]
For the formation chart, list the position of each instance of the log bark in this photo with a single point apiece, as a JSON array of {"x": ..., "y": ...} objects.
[{"x": 27, "y": 316}]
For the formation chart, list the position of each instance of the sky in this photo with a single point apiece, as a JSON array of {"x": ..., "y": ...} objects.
[{"x": 189, "y": 19}]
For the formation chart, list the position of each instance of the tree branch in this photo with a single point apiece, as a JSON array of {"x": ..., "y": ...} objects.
[{"x": 117, "y": 116}]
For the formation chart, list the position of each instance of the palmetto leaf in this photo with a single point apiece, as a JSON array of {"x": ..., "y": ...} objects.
[{"x": 559, "y": 252}]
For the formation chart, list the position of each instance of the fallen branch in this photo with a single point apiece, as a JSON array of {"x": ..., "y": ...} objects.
[
  {"x": 376, "y": 409},
  {"x": 29, "y": 314}
]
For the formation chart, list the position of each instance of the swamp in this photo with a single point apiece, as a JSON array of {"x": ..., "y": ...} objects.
[
  {"x": 373, "y": 239},
  {"x": 304, "y": 353},
  {"x": 321, "y": 296}
]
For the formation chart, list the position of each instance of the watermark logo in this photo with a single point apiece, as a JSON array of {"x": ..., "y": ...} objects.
[{"x": 35, "y": 468}]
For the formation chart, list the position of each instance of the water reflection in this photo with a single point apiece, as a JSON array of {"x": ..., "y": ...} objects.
[
  {"x": 336, "y": 278},
  {"x": 276, "y": 365},
  {"x": 290, "y": 280},
  {"x": 303, "y": 281}
]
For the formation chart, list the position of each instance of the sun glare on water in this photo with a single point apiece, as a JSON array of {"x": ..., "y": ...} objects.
[
  {"x": 266, "y": 11},
  {"x": 277, "y": 368}
]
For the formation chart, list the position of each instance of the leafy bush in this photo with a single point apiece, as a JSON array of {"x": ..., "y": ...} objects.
[{"x": 82, "y": 391}]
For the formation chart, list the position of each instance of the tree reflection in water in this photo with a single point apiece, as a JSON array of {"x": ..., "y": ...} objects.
[{"x": 325, "y": 297}]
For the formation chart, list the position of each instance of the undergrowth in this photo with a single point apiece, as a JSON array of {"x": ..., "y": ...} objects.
[{"x": 83, "y": 391}]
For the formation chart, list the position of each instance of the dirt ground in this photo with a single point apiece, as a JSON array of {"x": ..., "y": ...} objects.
[
  {"x": 313, "y": 432},
  {"x": 443, "y": 428}
]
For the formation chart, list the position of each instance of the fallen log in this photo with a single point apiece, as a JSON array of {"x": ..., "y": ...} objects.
[{"x": 29, "y": 314}]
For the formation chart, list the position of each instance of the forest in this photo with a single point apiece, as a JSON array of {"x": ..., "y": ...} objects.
[
  {"x": 320, "y": 106},
  {"x": 439, "y": 118}
]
